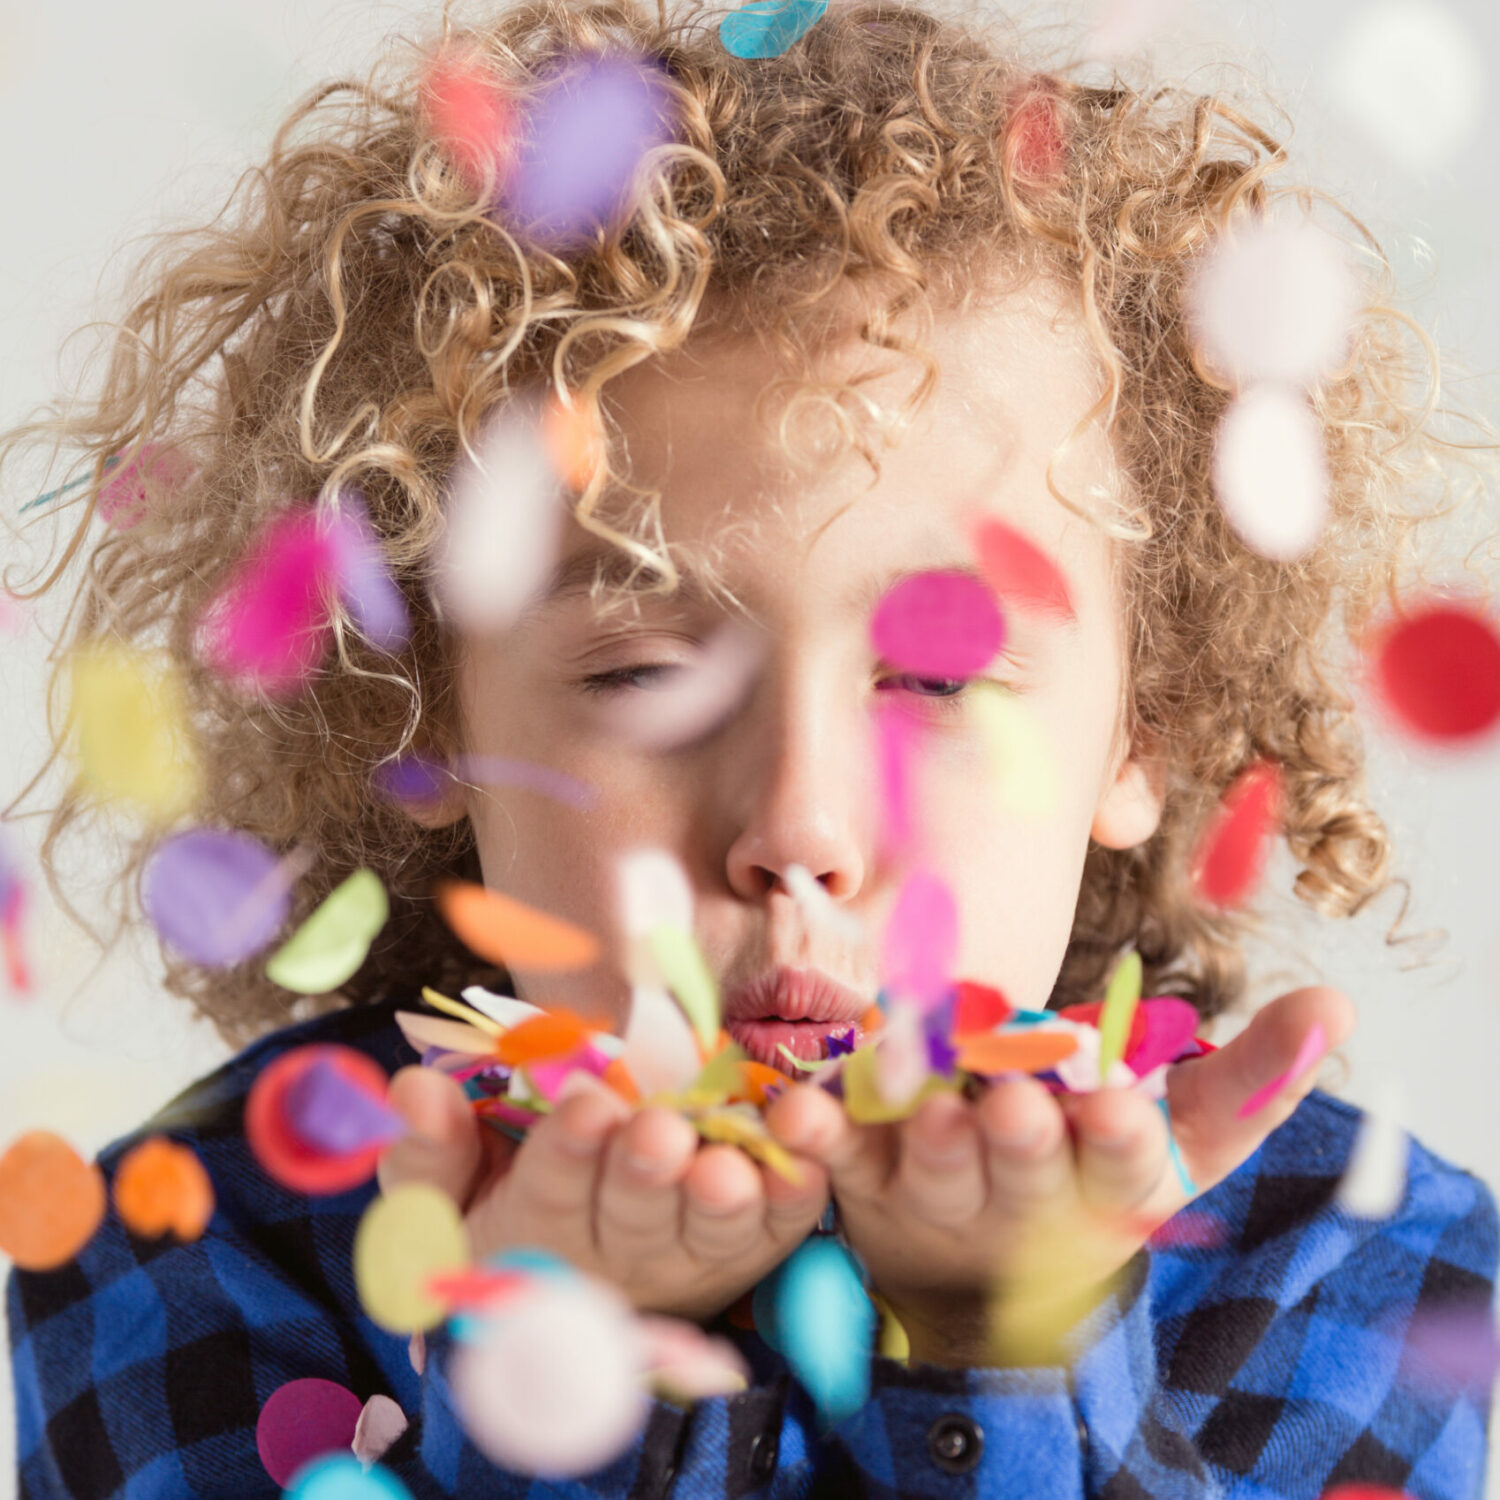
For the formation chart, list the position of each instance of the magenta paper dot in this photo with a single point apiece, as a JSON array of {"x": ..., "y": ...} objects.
[
  {"x": 303, "y": 1420},
  {"x": 940, "y": 623}
]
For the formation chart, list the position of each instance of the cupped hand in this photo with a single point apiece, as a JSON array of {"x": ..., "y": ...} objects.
[
  {"x": 634, "y": 1197},
  {"x": 990, "y": 1227}
]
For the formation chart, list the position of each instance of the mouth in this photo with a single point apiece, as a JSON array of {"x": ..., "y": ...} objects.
[{"x": 799, "y": 1009}]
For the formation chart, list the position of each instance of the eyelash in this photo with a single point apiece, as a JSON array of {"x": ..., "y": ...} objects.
[{"x": 616, "y": 680}]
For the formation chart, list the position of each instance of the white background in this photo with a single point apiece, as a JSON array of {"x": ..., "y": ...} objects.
[{"x": 121, "y": 118}]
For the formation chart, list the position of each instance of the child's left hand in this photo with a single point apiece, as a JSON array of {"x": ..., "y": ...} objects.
[{"x": 954, "y": 1219}]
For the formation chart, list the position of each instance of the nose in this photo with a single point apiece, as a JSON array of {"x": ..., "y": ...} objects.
[{"x": 794, "y": 788}]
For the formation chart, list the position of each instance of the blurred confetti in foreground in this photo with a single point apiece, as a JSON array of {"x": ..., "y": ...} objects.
[
  {"x": 1435, "y": 670},
  {"x": 1410, "y": 75}
]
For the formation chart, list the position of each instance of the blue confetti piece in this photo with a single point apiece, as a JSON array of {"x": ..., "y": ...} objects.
[
  {"x": 768, "y": 27},
  {"x": 1188, "y": 1185},
  {"x": 343, "y": 1477},
  {"x": 824, "y": 1323}
]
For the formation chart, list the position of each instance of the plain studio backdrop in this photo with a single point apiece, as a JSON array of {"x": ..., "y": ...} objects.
[{"x": 122, "y": 119}]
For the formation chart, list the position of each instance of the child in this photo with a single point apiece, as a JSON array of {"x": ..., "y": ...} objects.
[{"x": 877, "y": 291}]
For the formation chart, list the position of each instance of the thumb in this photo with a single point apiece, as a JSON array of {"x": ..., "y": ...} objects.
[
  {"x": 443, "y": 1147},
  {"x": 1219, "y": 1106}
]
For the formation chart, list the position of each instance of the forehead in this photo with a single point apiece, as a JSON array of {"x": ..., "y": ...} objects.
[{"x": 761, "y": 484}]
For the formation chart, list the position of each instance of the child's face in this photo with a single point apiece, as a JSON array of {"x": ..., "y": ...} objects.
[{"x": 793, "y": 777}]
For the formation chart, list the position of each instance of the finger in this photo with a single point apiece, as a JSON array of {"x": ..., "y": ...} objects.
[
  {"x": 1205, "y": 1095},
  {"x": 723, "y": 1208},
  {"x": 554, "y": 1172},
  {"x": 794, "y": 1208},
  {"x": 1028, "y": 1155},
  {"x": 940, "y": 1175},
  {"x": 859, "y": 1158},
  {"x": 443, "y": 1146},
  {"x": 640, "y": 1183},
  {"x": 1120, "y": 1145}
]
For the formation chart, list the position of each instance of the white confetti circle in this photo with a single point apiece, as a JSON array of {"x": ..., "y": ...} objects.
[{"x": 1270, "y": 472}]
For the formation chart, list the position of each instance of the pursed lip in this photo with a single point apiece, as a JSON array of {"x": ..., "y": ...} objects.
[{"x": 798, "y": 1009}]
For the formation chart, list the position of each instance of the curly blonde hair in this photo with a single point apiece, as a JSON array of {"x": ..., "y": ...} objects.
[{"x": 357, "y": 308}]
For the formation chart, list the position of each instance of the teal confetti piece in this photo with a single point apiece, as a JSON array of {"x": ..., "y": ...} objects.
[
  {"x": 824, "y": 1324},
  {"x": 768, "y": 27},
  {"x": 63, "y": 489},
  {"x": 1188, "y": 1185}
]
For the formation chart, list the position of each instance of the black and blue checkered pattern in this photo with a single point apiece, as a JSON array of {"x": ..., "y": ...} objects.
[{"x": 1268, "y": 1360}]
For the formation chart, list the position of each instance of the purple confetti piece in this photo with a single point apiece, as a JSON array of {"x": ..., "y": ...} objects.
[
  {"x": 582, "y": 138},
  {"x": 841, "y": 1043},
  {"x": 500, "y": 770},
  {"x": 411, "y": 778},
  {"x": 1457, "y": 1343},
  {"x": 364, "y": 581},
  {"x": 329, "y": 1113},
  {"x": 217, "y": 896}
]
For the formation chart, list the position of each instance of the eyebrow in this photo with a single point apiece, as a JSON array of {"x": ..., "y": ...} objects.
[{"x": 618, "y": 574}]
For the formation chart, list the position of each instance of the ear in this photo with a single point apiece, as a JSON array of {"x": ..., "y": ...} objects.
[
  {"x": 440, "y": 811},
  {"x": 1130, "y": 806}
]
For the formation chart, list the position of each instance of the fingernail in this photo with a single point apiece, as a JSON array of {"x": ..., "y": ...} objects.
[
  {"x": 1113, "y": 1145},
  {"x": 1021, "y": 1140}
]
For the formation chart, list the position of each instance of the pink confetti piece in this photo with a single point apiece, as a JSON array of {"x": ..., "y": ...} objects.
[
  {"x": 157, "y": 466},
  {"x": 303, "y": 1420},
  {"x": 1314, "y": 1044},
  {"x": 1236, "y": 843},
  {"x": 921, "y": 940},
  {"x": 469, "y": 116},
  {"x": 1169, "y": 1026},
  {"x": 939, "y": 623},
  {"x": 1020, "y": 573},
  {"x": 380, "y": 1423},
  {"x": 548, "y": 1077},
  {"x": 269, "y": 624},
  {"x": 902, "y": 1063},
  {"x": 897, "y": 744}
]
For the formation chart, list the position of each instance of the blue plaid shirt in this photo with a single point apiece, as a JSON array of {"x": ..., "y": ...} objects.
[{"x": 1271, "y": 1359}]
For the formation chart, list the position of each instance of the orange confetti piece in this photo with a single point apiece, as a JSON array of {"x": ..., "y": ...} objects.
[
  {"x": 756, "y": 1078},
  {"x": 872, "y": 1020},
  {"x": 507, "y": 931},
  {"x": 620, "y": 1079},
  {"x": 572, "y": 441},
  {"x": 51, "y": 1201},
  {"x": 554, "y": 1033},
  {"x": 162, "y": 1186},
  {"x": 1026, "y": 1051}
]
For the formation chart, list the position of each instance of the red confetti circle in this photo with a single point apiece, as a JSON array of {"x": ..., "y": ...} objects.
[
  {"x": 278, "y": 1148},
  {"x": 303, "y": 1420},
  {"x": 1438, "y": 672}
]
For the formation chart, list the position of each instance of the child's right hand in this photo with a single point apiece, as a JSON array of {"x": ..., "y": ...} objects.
[{"x": 633, "y": 1197}]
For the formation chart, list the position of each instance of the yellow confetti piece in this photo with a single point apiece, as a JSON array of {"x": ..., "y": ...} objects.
[
  {"x": 1020, "y": 762},
  {"x": 332, "y": 943},
  {"x": 1120, "y": 1000},
  {"x": 688, "y": 976},
  {"x": 130, "y": 736},
  {"x": 409, "y": 1235},
  {"x": 460, "y": 1011},
  {"x": 864, "y": 1102},
  {"x": 452, "y": 1036},
  {"x": 749, "y": 1133}
]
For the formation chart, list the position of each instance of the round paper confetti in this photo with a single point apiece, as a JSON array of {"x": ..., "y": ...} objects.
[
  {"x": 766, "y": 28},
  {"x": 573, "y": 442},
  {"x": 507, "y": 931},
  {"x": 552, "y": 1385},
  {"x": 51, "y": 1201},
  {"x": 285, "y": 1156},
  {"x": 1410, "y": 74},
  {"x": 215, "y": 895},
  {"x": 1270, "y": 472},
  {"x": 1438, "y": 672},
  {"x": 303, "y": 1420},
  {"x": 938, "y": 623},
  {"x": 1236, "y": 844},
  {"x": 1036, "y": 145},
  {"x": 408, "y": 1235},
  {"x": 341, "y": 1476},
  {"x": 469, "y": 116},
  {"x": 1274, "y": 301},
  {"x": 156, "y": 468},
  {"x": 160, "y": 1187},
  {"x": 332, "y": 943},
  {"x": 921, "y": 939},
  {"x": 581, "y": 140}
]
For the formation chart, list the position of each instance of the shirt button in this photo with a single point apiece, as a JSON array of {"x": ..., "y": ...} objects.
[
  {"x": 1083, "y": 1431},
  {"x": 955, "y": 1444},
  {"x": 763, "y": 1447},
  {"x": 668, "y": 1475}
]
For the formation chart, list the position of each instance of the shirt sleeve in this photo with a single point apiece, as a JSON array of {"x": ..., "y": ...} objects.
[{"x": 1298, "y": 1365}]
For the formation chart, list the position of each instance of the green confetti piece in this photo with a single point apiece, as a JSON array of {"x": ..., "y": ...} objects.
[
  {"x": 332, "y": 943},
  {"x": 689, "y": 978},
  {"x": 1118, "y": 1010},
  {"x": 864, "y": 1102}
]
